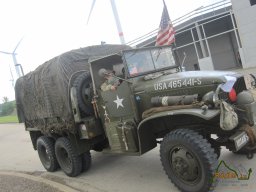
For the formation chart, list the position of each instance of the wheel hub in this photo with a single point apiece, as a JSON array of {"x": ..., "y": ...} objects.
[
  {"x": 184, "y": 164},
  {"x": 180, "y": 165}
]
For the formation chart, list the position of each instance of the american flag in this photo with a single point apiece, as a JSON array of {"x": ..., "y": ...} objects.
[{"x": 166, "y": 31}]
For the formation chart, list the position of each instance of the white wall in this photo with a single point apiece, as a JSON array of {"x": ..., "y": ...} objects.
[
  {"x": 245, "y": 15},
  {"x": 222, "y": 52}
]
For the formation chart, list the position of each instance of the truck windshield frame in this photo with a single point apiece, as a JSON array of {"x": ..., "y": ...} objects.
[{"x": 148, "y": 60}]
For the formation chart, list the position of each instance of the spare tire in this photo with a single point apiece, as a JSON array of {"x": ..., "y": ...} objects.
[{"x": 83, "y": 86}]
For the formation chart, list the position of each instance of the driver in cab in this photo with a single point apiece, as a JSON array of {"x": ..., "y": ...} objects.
[{"x": 110, "y": 83}]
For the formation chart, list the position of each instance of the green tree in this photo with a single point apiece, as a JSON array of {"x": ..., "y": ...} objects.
[
  {"x": 7, "y": 108},
  {"x": 5, "y": 99}
]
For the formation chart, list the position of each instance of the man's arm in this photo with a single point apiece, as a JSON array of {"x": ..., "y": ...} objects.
[{"x": 105, "y": 87}]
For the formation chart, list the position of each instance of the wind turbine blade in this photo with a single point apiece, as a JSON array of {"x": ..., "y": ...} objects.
[
  {"x": 17, "y": 45},
  {"x": 5, "y": 52},
  {"x": 93, "y": 3}
]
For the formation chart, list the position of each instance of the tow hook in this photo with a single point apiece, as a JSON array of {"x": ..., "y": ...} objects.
[
  {"x": 250, "y": 150},
  {"x": 249, "y": 155}
]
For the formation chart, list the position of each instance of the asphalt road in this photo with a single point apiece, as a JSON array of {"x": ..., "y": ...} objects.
[{"x": 21, "y": 170}]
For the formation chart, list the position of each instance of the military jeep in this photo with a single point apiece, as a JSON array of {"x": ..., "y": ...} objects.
[{"x": 190, "y": 114}]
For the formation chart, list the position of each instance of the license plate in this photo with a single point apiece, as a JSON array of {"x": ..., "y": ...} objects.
[{"x": 240, "y": 140}]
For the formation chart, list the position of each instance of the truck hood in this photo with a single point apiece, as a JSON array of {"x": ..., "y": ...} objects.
[{"x": 162, "y": 82}]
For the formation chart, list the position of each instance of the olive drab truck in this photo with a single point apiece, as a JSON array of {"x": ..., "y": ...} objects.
[{"x": 191, "y": 114}]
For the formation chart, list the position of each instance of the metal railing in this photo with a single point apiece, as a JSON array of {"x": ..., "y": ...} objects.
[{"x": 196, "y": 15}]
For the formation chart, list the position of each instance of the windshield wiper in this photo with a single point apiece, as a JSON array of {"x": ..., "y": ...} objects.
[{"x": 158, "y": 53}]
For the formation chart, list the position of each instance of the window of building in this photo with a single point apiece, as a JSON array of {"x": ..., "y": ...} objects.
[
  {"x": 253, "y": 2},
  {"x": 196, "y": 67}
]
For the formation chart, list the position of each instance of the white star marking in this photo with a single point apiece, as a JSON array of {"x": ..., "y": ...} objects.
[{"x": 119, "y": 102}]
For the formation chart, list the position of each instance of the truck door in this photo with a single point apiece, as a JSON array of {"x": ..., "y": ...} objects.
[
  {"x": 118, "y": 109},
  {"x": 119, "y": 103}
]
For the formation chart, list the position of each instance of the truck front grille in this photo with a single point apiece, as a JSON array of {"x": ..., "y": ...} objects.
[{"x": 240, "y": 85}]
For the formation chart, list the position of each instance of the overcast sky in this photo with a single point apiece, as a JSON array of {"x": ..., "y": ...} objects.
[{"x": 51, "y": 27}]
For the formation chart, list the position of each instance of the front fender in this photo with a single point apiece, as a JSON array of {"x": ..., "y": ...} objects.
[
  {"x": 206, "y": 115},
  {"x": 146, "y": 138}
]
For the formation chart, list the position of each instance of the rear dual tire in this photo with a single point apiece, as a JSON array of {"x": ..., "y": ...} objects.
[
  {"x": 46, "y": 153},
  {"x": 86, "y": 161},
  {"x": 61, "y": 154},
  {"x": 71, "y": 163}
]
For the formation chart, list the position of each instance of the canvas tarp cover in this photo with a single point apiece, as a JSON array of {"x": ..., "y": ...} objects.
[{"x": 42, "y": 96}]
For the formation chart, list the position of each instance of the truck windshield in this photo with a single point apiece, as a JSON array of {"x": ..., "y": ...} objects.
[{"x": 148, "y": 60}]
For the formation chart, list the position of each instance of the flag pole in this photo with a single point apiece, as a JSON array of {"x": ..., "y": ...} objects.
[{"x": 166, "y": 32}]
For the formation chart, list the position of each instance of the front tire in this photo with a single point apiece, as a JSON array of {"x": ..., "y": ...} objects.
[
  {"x": 46, "y": 153},
  {"x": 69, "y": 161},
  {"x": 189, "y": 160}
]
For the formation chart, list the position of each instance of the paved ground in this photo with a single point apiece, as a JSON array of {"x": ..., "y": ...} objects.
[
  {"x": 21, "y": 170},
  {"x": 19, "y": 183}
]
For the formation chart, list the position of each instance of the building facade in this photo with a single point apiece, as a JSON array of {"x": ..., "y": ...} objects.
[
  {"x": 215, "y": 37},
  {"x": 245, "y": 14}
]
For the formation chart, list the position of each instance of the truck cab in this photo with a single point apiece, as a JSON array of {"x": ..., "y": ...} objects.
[{"x": 118, "y": 109}]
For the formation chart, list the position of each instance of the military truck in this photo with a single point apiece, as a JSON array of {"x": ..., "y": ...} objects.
[{"x": 191, "y": 114}]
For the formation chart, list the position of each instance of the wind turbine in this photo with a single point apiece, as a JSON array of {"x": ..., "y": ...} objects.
[
  {"x": 118, "y": 24},
  {"x": 16, "y": 65},
  {"x": 12, "y": 79}
]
